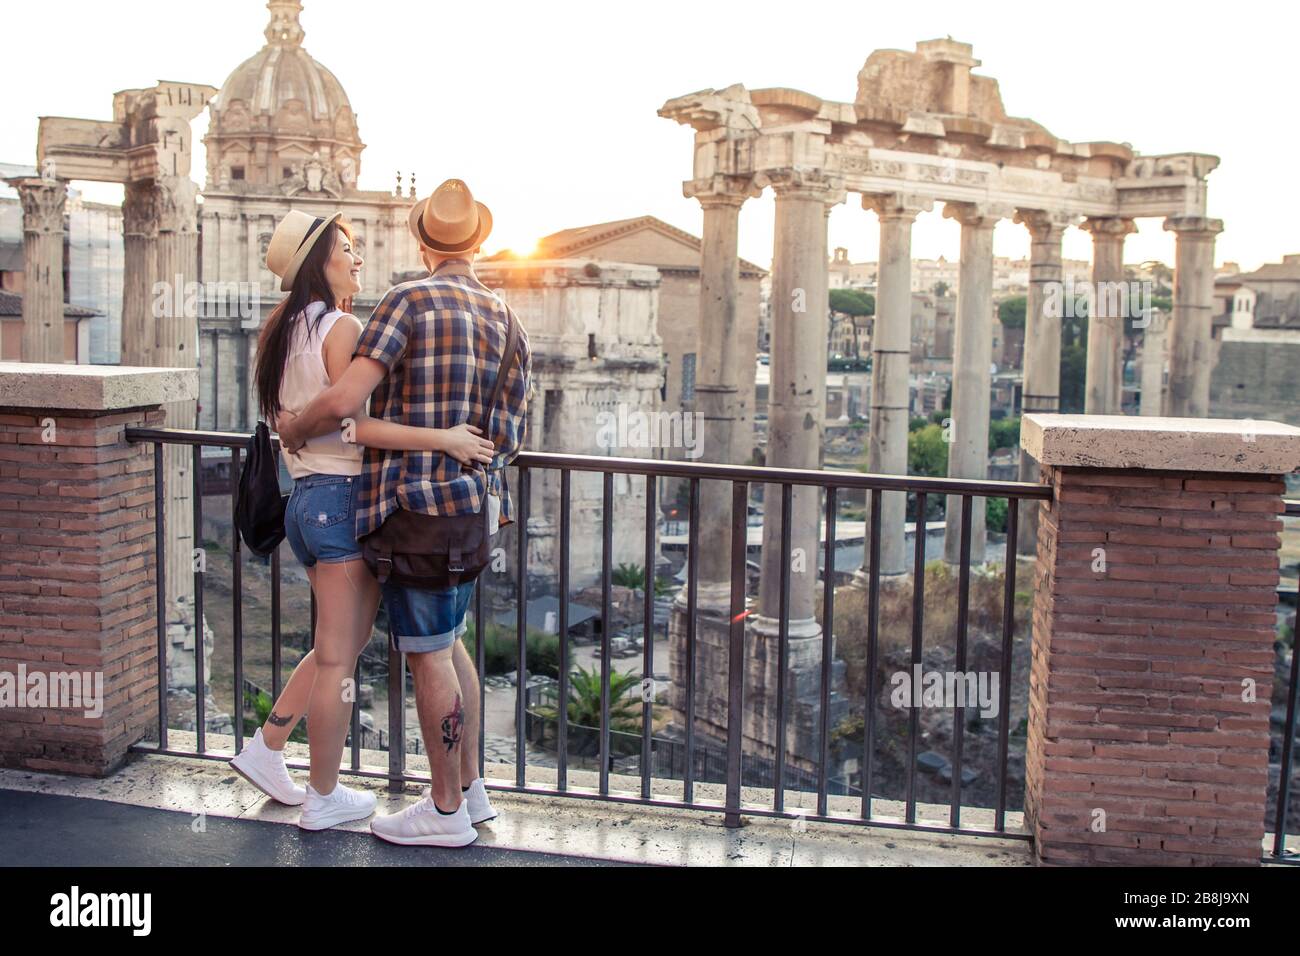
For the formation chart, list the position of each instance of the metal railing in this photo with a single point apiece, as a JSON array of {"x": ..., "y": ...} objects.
[{"x": 741, "y": 479}]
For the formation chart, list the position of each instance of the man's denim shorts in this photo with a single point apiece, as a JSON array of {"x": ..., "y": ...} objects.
[
  {"x": 423, "y": 621},
  {"x": 321, "y": 519}
]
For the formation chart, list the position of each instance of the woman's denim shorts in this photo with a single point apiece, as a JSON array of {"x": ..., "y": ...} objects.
[{"x": 320, "y": 521}]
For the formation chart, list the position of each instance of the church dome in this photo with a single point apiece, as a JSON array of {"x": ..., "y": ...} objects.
[{"x": 281, "y": 109}]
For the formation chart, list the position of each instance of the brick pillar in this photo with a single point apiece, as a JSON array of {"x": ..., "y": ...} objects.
[
  {"x": 1153, "y": 631},
  {"x": 77, "y": 575}
]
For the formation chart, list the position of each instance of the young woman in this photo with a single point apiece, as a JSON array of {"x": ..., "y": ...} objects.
[{"x": 305, "y": 346}]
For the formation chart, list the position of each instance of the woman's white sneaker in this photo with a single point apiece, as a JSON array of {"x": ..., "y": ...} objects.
[
  {"x": 480, "y": 808},
  {"x": 422, "y": 824},
  {"x": 340, "y": 805},
  {"x": 264, "y": 768}
]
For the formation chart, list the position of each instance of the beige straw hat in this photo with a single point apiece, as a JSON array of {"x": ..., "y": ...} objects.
[
  {"x": 450, "y": 220},
  {"x": 293, "y": 239}
]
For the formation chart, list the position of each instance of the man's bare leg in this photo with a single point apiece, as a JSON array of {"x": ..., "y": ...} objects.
[
  {"x": 440, "y": 705},
  {"x": 467, "y": 677}
]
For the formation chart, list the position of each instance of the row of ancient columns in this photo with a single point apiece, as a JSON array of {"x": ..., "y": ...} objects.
[
  {"x": 160, "y": 239},
  {"x": 796, "y": 408}
]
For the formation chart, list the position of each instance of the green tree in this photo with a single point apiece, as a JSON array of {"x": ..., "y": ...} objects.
[
  {"x": 1003, "y": 433},
  {"x": 1011, "y": 312},
  {"x": 995, "y": 514},
  {"x": 852, "y": 302},
  {"x": 927, "y": 452},
  {"x": 941, "y": 288},
  {"x": 1074, "y": 366}
]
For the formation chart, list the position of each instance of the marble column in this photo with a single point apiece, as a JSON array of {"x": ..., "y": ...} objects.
[
  {"x": 797, "y": 394},
  {"x": 174, "y": 315},
  {"x": 1153, "y": 365},
  {"x": 1190, "y": 331},
  {"x": 1042, "y": 352},
  {"x": 718, "y": 372},
  {"x": 891, "y": 352},
  {"x": 968, "y": 451},
  {"x": 1109, "y": 304},
  {"x": 140, "y": 248},
  {"x": 43, "y": 202}
]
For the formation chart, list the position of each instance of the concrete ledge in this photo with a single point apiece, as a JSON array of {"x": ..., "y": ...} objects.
[
  {"x": 1161, "y": 444},
  {"x": 95, "y": 388}
]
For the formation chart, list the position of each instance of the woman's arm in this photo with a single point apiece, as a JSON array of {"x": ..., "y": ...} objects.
[{"x": 462, "y": 442}]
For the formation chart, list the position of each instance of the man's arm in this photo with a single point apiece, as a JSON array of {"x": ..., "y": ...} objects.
[{"x": 346, "y": 398}]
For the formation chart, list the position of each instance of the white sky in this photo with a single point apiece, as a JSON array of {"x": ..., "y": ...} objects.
[{"x": 548, "y": 110}]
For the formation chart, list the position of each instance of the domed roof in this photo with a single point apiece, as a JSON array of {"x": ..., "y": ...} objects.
[{"x": 282, "y": 72}]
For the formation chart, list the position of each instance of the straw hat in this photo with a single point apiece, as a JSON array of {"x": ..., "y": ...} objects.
[
  {"x": 293, "y": 239},
  {"x": 450, "y": 221}
]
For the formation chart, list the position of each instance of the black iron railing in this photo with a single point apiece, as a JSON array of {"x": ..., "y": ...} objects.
[{"x": 652, "y": 471}]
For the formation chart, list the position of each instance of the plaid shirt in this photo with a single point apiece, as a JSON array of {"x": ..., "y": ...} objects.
[{"x": 441, "y": 339}]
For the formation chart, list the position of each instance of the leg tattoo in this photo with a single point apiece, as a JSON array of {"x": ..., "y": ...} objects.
[
  {"x": 452, "y": 725},
  {"x": 277, "y": 721}
]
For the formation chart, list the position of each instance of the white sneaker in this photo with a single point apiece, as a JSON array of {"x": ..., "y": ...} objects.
[
  {"x": 422, "y": 824},
  {"x": 480, "y": 808},
  {"x": 264, "y": 768},
  {"x": 339, "y": 806}
]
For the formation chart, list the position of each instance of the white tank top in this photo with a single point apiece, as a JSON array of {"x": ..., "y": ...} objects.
[{"x": 305, "y": 378}]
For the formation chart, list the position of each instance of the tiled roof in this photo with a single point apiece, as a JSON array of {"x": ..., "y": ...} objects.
[
  {"x": 568, "y": 242},
  {"x": 11, "y": 303}
]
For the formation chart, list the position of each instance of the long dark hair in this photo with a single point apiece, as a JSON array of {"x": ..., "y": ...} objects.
[{"x": 310, "y": 285}]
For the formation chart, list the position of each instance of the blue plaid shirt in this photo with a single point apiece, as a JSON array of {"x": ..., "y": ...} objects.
[{"x": 441, "y": 339}]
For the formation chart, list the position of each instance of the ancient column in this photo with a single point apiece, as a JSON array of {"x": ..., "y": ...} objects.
[
  {"x": 139, "y": 241},
  {"x": 174, "y": 316},
  {"x": 797, "y": 395},
  {"x": 1042, "y": 353},
  {"x": 43, "y": 201},
  {"x": 891, "y": 350},
  {"x": 718, "y": 369},
  {"x": 1153, "y": 365},
  {"x": 1109, "y": 306},
  {"x": 968, "y": 450},
  {"x": 1190, "y": 359}
]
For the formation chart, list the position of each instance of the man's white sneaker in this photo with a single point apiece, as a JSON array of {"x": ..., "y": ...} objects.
[
  {"x": 480, "y": 808},
  {"x": 338, "y": 806},
  {"x": 264, "y": 768},
  {"x": 422, "y": 824}
]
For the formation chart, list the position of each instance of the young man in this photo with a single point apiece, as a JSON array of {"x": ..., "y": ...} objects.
[{"x": 430, "y": 355}]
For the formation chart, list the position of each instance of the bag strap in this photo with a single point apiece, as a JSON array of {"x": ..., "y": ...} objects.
[{"x": 507, "y": 360}]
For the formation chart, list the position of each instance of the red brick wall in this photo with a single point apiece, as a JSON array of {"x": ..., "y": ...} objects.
[
  {"x": 1136, "y": 697},
  {"x": 77, "y": 581}
]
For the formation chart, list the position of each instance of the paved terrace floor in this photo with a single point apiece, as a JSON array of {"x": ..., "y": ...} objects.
[{"x": 148, "y": 813}]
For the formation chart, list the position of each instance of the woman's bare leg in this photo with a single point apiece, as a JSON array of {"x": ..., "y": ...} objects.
[
  {"x": 347, "y": 597},
  {"x": 291, "y": 705}
]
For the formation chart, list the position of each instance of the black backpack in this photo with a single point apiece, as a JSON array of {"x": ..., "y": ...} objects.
[{"x": 259, "y": 515}]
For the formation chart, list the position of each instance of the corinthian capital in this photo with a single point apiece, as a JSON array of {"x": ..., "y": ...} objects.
[
  {"x": 1045, "y": 225},
  {"x": 1108, "y": 227},
  {"x": 721, "y": 190},
  {"x": 897, "y": 205},
  {"x": 43, "y": 201},
  {"x": 140, "y": 210},
  {"x": 1194, "y": 226},
  {"x": 795, "y": 182},
  {"x": 178, "y": 208},
  {"x": 976, "y": 215}
]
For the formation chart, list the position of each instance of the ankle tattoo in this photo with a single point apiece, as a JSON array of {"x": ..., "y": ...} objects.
[{"x": 275, "y": 720}]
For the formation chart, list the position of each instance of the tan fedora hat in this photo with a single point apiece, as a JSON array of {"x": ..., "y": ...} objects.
[
  {"x": 293, "y": 239},
  {"x": 450, "y": 220}
]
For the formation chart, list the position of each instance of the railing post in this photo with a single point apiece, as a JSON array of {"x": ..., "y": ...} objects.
[
  {"x": 1153, "y": 637},
  {"x": 736, "y": 649},
  {"x": 80, "y": 582}
]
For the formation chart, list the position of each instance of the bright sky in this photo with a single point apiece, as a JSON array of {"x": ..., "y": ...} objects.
[{"x": 548, "y": 110}]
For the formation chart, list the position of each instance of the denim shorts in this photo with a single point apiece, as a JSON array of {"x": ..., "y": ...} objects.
[
  {"x": 421, "y": 620},
  {"x": 320, "y": 521}
]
